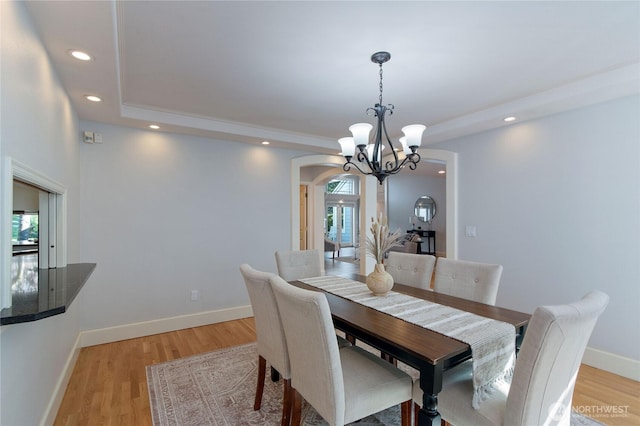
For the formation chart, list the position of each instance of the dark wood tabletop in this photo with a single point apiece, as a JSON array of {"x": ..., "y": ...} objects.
[{"x": 425, "y": 350}]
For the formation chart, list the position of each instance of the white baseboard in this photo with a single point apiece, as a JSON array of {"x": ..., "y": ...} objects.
[
  {"x": 616, "y": 364},
  {"x": 58, "y": 392},
  {"x": 147, "y": 328}
]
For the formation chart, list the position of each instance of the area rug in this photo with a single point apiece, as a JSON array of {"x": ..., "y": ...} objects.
[
  {"x": 348, "y": 259},
  {"x": 218, "y": 388}
]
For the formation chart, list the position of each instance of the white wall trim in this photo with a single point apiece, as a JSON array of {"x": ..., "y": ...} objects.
[
  {"x": 61, "y": 386},
  {"x": 163, "y": 325},
  {"x": 616, "y": 364}
]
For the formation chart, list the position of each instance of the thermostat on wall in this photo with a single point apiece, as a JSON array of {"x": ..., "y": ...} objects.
[{"x": 88, "y": 137}]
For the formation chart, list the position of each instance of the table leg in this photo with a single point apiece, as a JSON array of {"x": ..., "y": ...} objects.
[{"x": 431, "y": 385}]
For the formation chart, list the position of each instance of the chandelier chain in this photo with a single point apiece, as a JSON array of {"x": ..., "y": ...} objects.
[{"x": 380, "y": 98}]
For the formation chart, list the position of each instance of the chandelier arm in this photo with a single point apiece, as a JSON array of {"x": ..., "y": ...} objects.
[
  {"x": 415, "y": 158},
  {"x": 390, "y": 166},
  {"x": 347, "y": 167},
  {"x": 393, "y": 169},
  {"x": 363, "y": 158}
]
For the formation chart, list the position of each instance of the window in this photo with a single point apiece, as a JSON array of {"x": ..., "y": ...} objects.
[
  {"x": 347, "y": 185},
  {"x": 341, "y": 210},
  {"x": 24, "y": 228}
]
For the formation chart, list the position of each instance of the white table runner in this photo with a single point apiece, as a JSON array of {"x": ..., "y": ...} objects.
[{"x": 492, "y": 342}]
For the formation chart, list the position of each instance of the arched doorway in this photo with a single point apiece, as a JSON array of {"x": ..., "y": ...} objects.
[{"x": 368, "y": 196}]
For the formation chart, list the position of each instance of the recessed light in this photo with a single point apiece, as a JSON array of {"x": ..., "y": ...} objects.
[
  {"x": 154, "y": 126},
  {"x": 508, "y": 119},
  {"x": 265, "y": 142},
  {"x": 441, "y": 172},
  {"x": 79, "y": 54},
  {"x": 92, "y": 98}
]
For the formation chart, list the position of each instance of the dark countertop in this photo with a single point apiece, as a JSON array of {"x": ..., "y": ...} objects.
[{"x": 41, "y": 293}]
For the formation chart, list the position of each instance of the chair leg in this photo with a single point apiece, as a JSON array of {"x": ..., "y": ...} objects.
[
  {"x": 350, "y": 338},
  {"x": 262, "y": 369},
  {"x": 286, "y": 402},
  {"x": 389, "y": 358},
  {"x": 296, "y": 409},
  {"x": 405, "y": 411}
]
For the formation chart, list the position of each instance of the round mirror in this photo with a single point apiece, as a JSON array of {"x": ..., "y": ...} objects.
[{"x": 425, "y": 209}]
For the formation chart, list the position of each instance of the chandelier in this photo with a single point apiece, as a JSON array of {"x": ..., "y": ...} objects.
[{"x": 370, "y": 155}]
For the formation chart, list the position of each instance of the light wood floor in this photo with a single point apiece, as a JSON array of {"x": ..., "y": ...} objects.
[{"x": 109, "y": 387}]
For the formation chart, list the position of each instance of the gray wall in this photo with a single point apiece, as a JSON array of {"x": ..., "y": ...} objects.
[
  {"x": 557, "y": 202},
  {"x": 165, "y": 214},
  {"x": 403, "y": 191},
  {"x": 39, "y": 129}
]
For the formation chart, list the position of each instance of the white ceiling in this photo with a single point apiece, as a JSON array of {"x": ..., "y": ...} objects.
[{"x": 299, "y": 73}]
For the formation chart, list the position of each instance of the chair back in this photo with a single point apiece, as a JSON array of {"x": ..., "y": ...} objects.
[
  {"x": 271, "y": 342},
  {"x": 410, "y": 269},
  {"x": 469, "y": 280},
  {"x": 296, "y": 264},
  {"x": 316, "y": 369},
  {"x": 549, "y": 359}
]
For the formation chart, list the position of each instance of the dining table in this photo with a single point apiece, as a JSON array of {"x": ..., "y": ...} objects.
[{"x": 429, "y": 352}]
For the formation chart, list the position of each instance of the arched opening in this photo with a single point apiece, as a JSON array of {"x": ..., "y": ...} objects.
[{"x": 368, "y": 191}]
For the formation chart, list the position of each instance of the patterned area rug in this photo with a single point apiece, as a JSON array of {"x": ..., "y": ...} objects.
[{"x": 218, "y": 388}]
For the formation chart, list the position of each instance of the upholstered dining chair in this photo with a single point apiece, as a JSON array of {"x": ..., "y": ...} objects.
[
  {"x": 544, "y": 377},
  {"x": 469, "y": 280},
  {"x": 342, "y": 384},
  {"x": 296, "y": 264},
  {"x": 410, "y": 269},
  {"x": 271, "y": 342},
  {"x": 332, "y": 246}
]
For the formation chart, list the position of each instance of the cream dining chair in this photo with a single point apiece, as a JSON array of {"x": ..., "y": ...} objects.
[
  {"x": 342, "y": 384},
  {"x": 271, "y": 342},
  {"x": 469, "y": 280},
  {"x": 331, "y": 246},
  {"x": 544, "y": 377},
  {"x": 296, "y": 264},
  {"x": 410, "y": 269}
]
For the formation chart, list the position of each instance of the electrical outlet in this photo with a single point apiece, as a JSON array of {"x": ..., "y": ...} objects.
[
  {"x": 470, "y": 231},
  {"x": 195, "y": 295}
]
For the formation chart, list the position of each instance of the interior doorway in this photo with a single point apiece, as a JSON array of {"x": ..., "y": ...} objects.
[
  {"x": 368, "y": 196},
  {"x": 341, "y": 225}
]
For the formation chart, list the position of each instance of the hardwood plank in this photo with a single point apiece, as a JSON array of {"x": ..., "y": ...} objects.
[
  {"x": 598, "y": 393},
  {"x": 109, "y": 384}
]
